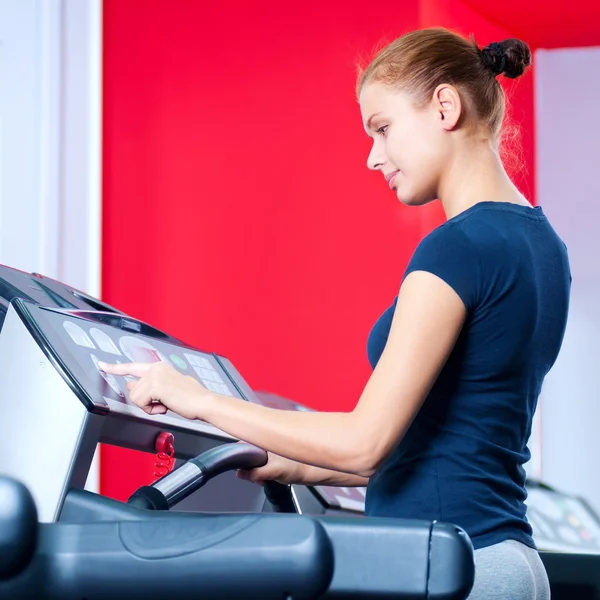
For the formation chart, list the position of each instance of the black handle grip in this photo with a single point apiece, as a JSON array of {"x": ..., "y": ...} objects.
[
  {"x": 148, "y": 498},
  {"x": 196, "y": 472},
  {"x": 280, "y": 497},
  {"x": 229, "y": 457}
]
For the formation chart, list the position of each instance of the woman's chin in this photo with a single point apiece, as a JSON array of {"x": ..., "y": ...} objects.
[{"x": 409, "y": 199}]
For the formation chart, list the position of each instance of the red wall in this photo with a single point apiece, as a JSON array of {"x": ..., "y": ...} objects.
[
  {"x": 239, "y": 213},
  {"x": 546, "y": 24},
  {"x": 459, "y": 17},
  {"x": 238, "y": 210}
]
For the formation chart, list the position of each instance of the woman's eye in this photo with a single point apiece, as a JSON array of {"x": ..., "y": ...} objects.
[{"x": 382, "y": 129}]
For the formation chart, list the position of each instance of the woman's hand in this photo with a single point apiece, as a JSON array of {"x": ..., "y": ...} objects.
[
  {"x": 278, "y": 468},
  {"x": 161, "y": 387}
]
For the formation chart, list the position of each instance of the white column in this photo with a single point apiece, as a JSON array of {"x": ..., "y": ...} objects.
[
  {"x": 50, "y": 140},
  {"x": 29, "y": 133},
  {"x": 567, "y": 87},
  {"x": 81, "y": 156},
  {"x": 81, "y": 145}
]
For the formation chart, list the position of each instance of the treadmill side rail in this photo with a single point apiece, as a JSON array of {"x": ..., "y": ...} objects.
[
  {"x": 251, "y": 557},
  {"x": 451, "y": 563},
  {"x": 407, "y": 559}
]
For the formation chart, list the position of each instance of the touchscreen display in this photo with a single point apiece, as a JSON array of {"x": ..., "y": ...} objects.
[{"x": 87, "y": 343}]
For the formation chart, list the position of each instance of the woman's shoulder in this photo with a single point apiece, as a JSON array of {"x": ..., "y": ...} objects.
[
  {"x": 491, "y": 226},
  {"x": 447, "y": 235}
]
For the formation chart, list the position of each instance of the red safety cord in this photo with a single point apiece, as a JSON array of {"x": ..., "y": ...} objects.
[{"x": 165, "y": 454}]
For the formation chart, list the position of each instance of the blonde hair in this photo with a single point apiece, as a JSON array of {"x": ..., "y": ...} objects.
[{"x": 419, "y": 61}]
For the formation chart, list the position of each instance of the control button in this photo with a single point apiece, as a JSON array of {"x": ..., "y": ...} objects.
[
  {"x": 198, "y": 361},
  {"x": 78, "y": 335},
  {"x": 178, "y": 362},
  {"x": 208, "y": 374},
  {"x": 104, "y": 342}
]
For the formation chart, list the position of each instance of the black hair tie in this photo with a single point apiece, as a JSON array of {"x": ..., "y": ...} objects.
[{"x": 494, "y": 58}]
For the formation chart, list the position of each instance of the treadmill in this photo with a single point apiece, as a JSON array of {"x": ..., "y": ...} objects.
[
  {"x": 58, "y": 540},
  {"x": 103, "y": 549}
]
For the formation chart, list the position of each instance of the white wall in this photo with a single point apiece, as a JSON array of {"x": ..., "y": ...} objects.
[
  {"x": 28, "y": 89},
  {"x": 50, "y": 143},
  {"x": 50, "y": 107},
  {"x": 81, "y": 144},
  {"x": 568, "y": 183}
]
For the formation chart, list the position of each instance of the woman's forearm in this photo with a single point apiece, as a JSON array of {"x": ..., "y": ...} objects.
[
  {"x": 318, "y": 476},
  {"x": 328, "y": 440}
]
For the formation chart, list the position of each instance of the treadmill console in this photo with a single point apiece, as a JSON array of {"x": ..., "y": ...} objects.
[
  {"x": 65, "y": 406},
  {"x": 560, "y": 522},
  {"x": 75, "y": 341}
]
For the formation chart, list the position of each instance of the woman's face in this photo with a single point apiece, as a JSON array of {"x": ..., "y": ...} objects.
[{"x": 409, "y": 145}]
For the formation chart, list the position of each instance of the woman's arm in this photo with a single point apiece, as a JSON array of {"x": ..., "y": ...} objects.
[
  {"x": 284, "y": 470},
  {"x": 427, "y": 321},
  {"x": 319, "y": 476}
]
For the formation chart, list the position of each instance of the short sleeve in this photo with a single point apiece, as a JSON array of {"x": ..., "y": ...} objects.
[{"x": 448, "y": 253}]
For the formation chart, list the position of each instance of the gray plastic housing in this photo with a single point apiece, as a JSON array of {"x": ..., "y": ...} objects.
[{"x": 256, "y": 557}]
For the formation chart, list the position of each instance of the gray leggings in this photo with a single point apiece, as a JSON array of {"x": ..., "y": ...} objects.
[{"x": 509, "y": 570}]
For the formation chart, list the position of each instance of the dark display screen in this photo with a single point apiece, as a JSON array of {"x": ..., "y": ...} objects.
[{"x": 82, "y": 342}]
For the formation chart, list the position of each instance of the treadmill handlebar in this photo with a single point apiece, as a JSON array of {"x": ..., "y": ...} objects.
[
  {"x": 250, "y": 557},
  {"x": 228, "y": 457},
  {"x": 196, "y": 472}
]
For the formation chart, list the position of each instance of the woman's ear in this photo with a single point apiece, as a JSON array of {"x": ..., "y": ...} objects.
[{"x": 447, "y": 104}]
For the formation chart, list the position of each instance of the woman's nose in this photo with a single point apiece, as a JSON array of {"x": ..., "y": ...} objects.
[{"x": 375, "y": 159}]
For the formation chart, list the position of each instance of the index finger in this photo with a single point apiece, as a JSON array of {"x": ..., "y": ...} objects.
[{"x": 133, "y": 369}]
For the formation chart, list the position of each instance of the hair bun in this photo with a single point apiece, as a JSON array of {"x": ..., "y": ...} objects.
[{"x": 510, "y": 57}]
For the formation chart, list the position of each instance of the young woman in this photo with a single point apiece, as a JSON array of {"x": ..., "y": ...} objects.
[{"x": 441, "y": 428}]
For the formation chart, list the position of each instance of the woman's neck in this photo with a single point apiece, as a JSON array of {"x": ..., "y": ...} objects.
[{"x": 476, "y": 175}]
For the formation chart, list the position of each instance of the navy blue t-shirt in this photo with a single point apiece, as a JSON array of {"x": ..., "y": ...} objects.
[{"x": 461, "y": 460}]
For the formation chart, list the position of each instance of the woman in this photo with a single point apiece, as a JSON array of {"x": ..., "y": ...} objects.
[{"x": 441, "y": 428}]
